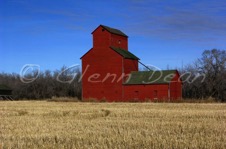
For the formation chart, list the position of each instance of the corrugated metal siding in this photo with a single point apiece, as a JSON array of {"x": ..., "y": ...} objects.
[
  {"x": 176, "y": 88},
  {"x": 106, "y": 63},
  {"x": 146, "y": 92},
  {"x": 102, "y": 69}
]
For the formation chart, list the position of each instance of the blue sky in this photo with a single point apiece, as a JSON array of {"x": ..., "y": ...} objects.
[{"x": 53, "y": 33}]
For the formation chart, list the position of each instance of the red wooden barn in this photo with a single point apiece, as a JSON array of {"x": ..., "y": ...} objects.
[{"x": 110, "y": 72}]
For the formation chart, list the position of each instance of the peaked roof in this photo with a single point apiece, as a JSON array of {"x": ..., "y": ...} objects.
[
  {"x": 86, "y": 53},
  {"x": 113, "y": 30},
  {"x": 124, "y": 53},
  {"x": 151, "y": 77}
]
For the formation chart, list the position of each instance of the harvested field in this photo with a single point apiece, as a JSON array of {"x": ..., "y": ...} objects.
[{"x": 42, "y": 124}]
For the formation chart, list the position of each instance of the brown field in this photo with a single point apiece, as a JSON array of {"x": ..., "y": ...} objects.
[{"x": 41, "y": 124}]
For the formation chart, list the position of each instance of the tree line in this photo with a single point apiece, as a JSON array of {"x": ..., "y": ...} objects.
[
  {"x": 41, "y": 85},
  {"x": 203, "y": 79},
  {"x": 207, "y": 76}
]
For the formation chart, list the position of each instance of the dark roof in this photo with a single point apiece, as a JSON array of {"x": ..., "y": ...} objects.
[
  {"x": 114, "y": 31},
  {"x": 124, "y": 53},
  {"x": 4, "y": 87},
  {"x": 151, "y": 77}
]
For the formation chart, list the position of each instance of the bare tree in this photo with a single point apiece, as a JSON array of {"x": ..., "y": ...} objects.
[{"x": 213, "y": 65}]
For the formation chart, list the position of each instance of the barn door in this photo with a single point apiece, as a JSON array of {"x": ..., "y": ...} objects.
[
  {"x": 136, "y": 95},
  {"x": 155, "y": 94}
]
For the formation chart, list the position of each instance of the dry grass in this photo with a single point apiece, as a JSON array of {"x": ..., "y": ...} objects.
[{"x": 40, "y": 124}]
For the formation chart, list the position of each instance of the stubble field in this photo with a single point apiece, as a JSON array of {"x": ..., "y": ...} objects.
[{"x": 42, "y": 124}]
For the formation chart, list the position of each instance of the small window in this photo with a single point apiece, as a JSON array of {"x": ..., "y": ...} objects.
[
  {"x": 103, "y": 30},
  {"x": 119, "y": 42}
]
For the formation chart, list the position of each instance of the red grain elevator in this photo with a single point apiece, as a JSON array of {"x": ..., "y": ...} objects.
[{"x": 110, "y": 72}]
